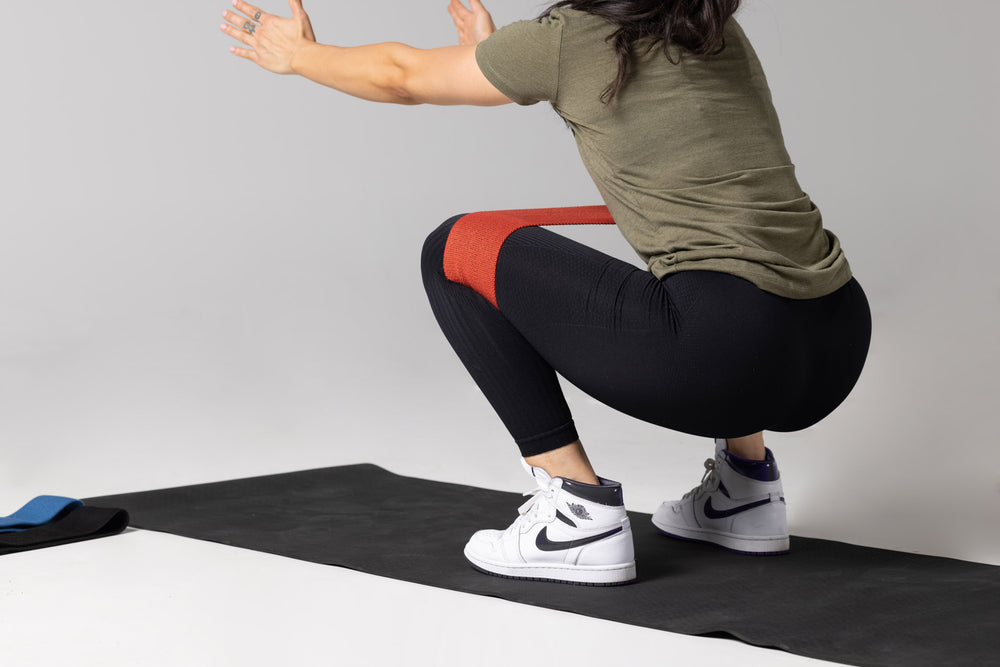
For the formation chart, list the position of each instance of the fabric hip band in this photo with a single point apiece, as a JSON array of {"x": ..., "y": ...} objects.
[{"x": 473, "y": 246}]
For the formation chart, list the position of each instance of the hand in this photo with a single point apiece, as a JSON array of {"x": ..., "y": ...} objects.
[
  {"x": 273, "y": 40},
  {"x": 473, "y": 26}
]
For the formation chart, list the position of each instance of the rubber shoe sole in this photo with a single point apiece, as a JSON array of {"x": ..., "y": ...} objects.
[
  {"x": 775, "y": 545},
  {"x": 581, "y": 575}
]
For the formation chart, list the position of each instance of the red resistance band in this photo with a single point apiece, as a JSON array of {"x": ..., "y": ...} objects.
[{"x": 473, "y": 246}]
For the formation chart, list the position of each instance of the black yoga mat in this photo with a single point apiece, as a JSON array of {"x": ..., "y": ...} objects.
[{"x": 824, "y": 600}]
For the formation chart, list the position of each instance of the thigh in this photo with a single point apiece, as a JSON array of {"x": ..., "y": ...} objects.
[
  {"x": 669, "y": 352},
  {"x": 832, "y": 346}
]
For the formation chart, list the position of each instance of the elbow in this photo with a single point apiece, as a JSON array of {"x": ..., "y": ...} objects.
[
  {"x": 402, "y": 95},
  {"x": 397, "y": 88},
  {"x": 400, "y": 81}
]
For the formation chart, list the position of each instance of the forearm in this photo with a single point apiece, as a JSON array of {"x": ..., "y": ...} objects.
[{"x": 374, "y": 72}]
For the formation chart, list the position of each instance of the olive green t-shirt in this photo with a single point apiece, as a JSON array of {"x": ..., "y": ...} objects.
[{"x": 689, "y": 158}]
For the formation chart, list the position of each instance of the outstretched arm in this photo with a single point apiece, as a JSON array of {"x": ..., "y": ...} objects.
[{"x": 389, "y": 72}]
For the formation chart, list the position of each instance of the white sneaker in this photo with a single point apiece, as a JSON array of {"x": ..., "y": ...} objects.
[
  {"x": 567, "y": 532},
  {"x": 730, "y": 509}
]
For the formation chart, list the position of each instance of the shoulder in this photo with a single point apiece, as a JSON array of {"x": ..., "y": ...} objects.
[
  {"x": 558, "y": 20},
  {"x": 576, "y": 20},
  {"x": 539, "y": 36},
  {"x": 580, "y": 30}
]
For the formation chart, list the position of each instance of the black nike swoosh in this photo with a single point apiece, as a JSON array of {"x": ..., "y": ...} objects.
[
  {"x": 545, "y": 544},
  {"x": 713, "y": 513}
]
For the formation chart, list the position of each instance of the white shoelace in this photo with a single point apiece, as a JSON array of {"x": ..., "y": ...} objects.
[
  {"x": 709, "y": 481},
  {"x": 541, "y": 506}
]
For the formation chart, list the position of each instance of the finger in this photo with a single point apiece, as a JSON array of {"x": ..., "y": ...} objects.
[
  {"x": 241, "y": 35},
  {"x": 253, "y": 12},
  {"x": 459, "y": 14},
  {"x": 249, "y": 54},
  {"x": 477, "y": 6},
  {"x": 296, "y": 7},
  {"x": 237, "y": 20}
]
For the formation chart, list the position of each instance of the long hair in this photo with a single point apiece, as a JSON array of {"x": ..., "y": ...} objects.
[{"x": 694, "y": 25}]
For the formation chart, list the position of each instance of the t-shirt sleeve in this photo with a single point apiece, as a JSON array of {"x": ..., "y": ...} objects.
[{"x": 522, "y": 59}]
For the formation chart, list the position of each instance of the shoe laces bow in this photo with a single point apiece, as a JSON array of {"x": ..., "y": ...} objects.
[
  {"x": 541, "y": 506},
  {"x": 709, "y": 481}
]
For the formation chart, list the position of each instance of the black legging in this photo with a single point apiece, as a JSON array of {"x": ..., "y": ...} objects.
[{"x": 700, "y": 352}]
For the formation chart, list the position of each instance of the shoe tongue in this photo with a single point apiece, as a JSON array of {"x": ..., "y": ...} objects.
[{"x": 543, "y": 478}]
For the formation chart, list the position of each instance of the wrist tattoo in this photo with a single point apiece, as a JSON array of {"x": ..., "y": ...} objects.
[{"x": 249, "y": 27}]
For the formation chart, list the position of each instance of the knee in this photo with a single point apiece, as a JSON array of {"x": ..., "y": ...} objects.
[{"x": 432, "y": 255}]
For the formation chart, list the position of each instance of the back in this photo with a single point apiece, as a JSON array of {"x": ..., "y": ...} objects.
[{"x": 689, "y": 157}]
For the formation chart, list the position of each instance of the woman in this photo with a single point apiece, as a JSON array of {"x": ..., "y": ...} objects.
[{"x": 748, "y": 318}]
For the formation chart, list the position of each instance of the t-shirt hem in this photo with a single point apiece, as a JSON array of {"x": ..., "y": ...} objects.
[{"x": 820, "y": 283}]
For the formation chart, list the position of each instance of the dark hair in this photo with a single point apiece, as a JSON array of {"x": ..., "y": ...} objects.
[{"x": 694, "y": 25}]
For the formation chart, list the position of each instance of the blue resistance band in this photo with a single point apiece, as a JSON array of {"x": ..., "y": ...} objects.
[{"x": 37, "y": 512}]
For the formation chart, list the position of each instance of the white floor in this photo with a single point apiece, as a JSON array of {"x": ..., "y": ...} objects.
[{"x": 146, "y": 598}]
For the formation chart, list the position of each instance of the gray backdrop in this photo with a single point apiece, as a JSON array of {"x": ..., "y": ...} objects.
[{"x": 208, "y": 271}]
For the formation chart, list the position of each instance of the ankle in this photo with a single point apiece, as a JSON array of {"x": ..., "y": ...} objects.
[
  {"x": 572, "y": 473},
  {"x": 750, "y": 447},
  {"x": 569, "y": 462}
]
